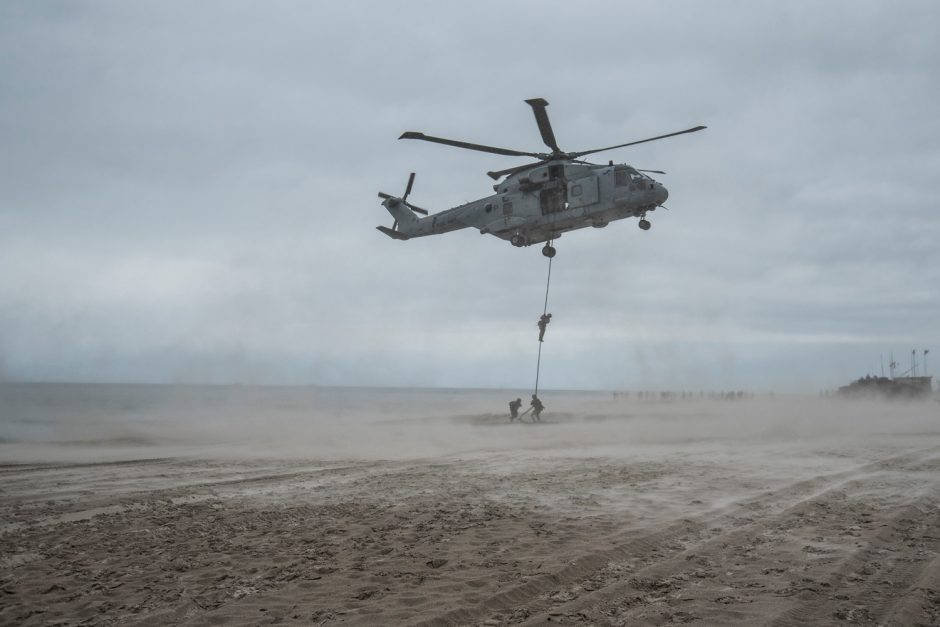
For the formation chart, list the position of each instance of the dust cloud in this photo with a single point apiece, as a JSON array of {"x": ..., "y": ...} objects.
[{"x": 246, "y": 505}]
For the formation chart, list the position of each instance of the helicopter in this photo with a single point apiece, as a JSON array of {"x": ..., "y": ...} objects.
[{"x": 539, "y": 201}]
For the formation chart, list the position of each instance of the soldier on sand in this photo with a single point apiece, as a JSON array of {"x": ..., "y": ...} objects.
[
  {"x": 543, "y": 322},
  {"x": 537, "y": 408},
  {"x": 514, "y": 409}
]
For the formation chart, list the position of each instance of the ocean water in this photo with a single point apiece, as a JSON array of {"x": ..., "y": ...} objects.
[
  {"x": 99, "y": 422},
  {"x": 44, "y": 411},
  {"x": 305, "y": 417}
]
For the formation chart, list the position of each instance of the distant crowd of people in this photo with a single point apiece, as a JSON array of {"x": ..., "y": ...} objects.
[{"x": 686, "y": 396}]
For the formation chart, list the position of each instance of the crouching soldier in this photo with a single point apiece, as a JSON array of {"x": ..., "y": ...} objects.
[{"x": 514, "y": 409}]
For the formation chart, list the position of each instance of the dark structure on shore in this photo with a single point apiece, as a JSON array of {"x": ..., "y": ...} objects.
[{"x": 884, "y": 387}]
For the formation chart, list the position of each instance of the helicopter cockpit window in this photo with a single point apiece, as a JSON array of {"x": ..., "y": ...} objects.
[{"x": 628, "y": 176}]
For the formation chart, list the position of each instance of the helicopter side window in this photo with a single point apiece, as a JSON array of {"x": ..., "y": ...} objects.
[
  {"x": 622, "y": 178},
  {"x": 507, "y": 207}
]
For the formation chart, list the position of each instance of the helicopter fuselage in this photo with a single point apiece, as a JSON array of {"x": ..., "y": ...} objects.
[{"x": 539, "y": 204}]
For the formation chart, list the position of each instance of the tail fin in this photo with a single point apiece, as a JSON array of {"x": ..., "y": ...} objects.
[
  {"x": 393, "y": 234},
  {"x": 400, "y": 210},
  {"x": 403, "y": 211},
  {"x": 402, "y": 214}
]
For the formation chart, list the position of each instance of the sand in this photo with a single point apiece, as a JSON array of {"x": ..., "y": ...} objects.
[{"x": 784, "y": 512}]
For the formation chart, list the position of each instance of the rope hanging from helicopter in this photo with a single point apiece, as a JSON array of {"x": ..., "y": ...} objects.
[{"x": 538, "y": 362}]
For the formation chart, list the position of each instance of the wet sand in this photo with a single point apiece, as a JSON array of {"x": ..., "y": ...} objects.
[{"x": 603, "y": 517}]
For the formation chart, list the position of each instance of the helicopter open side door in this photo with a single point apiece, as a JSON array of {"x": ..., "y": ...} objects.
[{"x": 582, "y": 192}]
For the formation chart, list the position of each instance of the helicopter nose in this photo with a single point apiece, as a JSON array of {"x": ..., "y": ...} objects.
[{"x": 660, "y": 194}]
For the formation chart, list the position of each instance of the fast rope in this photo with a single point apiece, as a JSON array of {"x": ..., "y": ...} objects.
[{"x": 538, "y": 363}]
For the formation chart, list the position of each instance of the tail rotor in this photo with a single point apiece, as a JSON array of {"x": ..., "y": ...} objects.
[
  {"x": 394, "y": 206},
  {"x": 404, "y": 198}
]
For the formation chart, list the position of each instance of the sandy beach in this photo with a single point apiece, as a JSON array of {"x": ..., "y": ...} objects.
[{"x": 613, "y": 512}]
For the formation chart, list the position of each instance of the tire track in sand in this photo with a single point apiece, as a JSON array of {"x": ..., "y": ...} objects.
[
  {"x": 644, "y": 554},
  {"x": 634, "y": 600},
  {"x": 920, "y": 603},
  {"x": 877, "y": 578}
]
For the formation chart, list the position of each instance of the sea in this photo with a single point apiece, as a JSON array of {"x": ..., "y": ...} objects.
[{"x": 321, "y": 419}]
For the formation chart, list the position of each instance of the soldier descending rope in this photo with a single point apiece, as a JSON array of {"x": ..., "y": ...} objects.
[{"x": 543, "y": 322}]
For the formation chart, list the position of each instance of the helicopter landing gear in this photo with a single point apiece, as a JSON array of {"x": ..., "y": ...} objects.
[
  {"x": 517, "y": 240},
  {"x": 644, "y": 224},
  {"x": 548, "y": 250}
]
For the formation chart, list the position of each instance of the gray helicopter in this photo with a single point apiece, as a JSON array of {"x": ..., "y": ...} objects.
[{"x": 537, "y": 202}]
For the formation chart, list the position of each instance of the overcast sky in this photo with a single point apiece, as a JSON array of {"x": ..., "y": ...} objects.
[{"x": 188, "y": 192}]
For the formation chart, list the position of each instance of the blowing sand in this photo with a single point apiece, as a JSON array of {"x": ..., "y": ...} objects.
[{"x": 613, "y": 512}]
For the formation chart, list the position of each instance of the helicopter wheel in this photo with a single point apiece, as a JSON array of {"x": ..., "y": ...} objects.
[
  {"x": 645, "y": 224},
  {"x": 517, "y": 240},
  {"x": 548, "y": 251}
]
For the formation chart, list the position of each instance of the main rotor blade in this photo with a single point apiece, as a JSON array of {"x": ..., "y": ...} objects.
[
  {"x": 575, "y": 155},
  {"x": 545, "y": 127},
  {"x": 469, "y": 146},
  {"x": 519, "y": 168},
  {"x": 411, "y": 181}
]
